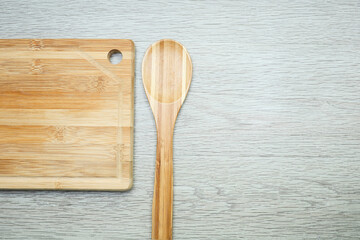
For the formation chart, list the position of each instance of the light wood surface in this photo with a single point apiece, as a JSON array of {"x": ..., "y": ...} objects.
[
  {"x": 66, "y": 114},
  {"x": 266, "y": 144},
  {"x": 166, "y": 73}
]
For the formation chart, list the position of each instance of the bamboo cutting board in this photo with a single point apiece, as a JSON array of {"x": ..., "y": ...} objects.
[{"x": 66, "y": 114}]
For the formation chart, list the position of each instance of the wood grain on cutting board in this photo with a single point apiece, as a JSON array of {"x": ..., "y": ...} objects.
[{"x": 66, "y": 114}]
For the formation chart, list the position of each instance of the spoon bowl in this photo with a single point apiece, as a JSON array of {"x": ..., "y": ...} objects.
[{"x": 166, "y": 71}]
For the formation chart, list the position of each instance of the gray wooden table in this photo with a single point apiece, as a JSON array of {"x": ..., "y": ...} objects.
[{"x": 267, "y": 144}]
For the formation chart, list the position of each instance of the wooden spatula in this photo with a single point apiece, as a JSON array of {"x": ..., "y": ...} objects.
[{"x": 166, "y": 72}]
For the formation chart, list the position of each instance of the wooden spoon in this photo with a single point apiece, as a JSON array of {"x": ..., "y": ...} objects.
[{"x": 166, "y": 72}]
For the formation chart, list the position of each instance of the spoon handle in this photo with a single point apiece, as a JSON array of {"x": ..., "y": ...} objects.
[{"x": 163, "y": 188}]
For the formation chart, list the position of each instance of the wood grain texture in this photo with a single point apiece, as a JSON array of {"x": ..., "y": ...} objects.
[
  {"x": 66, "y": 114},
  {"x": 267, "y": 141},
  {"x": 166, "y": 73}
]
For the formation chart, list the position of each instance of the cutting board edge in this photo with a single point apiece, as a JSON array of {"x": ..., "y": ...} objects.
[{"x": 67, "y": 183}]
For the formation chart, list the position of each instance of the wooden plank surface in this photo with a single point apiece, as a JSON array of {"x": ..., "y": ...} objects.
[
  {"x": 66, "y": 114},
  {"x": 266, "y": 145}
]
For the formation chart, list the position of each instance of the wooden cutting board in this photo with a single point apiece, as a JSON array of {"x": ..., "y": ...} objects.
[{"x": 66, "y": 114}]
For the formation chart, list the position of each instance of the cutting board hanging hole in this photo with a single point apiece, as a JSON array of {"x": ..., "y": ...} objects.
[{"x": 115, "y": 56}]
